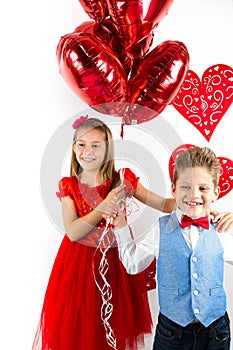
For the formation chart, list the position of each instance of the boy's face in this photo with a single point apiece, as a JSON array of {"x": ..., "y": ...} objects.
[{"x": 194, "y": 191}]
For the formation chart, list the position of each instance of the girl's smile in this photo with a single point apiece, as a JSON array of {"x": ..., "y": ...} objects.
[{"x": 90, "y": 149}]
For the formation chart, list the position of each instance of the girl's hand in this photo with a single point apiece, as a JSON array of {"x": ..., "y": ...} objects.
[
  {"x": 115, "y": 212},
  {"x": 223, "y": 221},
  {"x": 109, "y": 204},
  {"x": 117, "y": 194},
  {"x": 111, "y": 210}
]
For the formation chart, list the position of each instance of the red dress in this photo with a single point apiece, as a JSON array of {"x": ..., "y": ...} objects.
[{"x": 71, "y": 317}]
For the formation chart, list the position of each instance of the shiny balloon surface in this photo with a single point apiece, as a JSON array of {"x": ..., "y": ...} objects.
[{"x": 108, "y": 59}]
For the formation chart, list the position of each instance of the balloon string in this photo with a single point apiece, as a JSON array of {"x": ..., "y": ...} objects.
[
  {"x": 105, "y": 290},
  {"x": 128, "y": 205},
  {"x": 122, "y": 130},
  {"x": 122, "y": 174}
]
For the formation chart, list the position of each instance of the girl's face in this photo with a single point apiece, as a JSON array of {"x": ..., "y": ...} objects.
[
  {"x": 194, "y": 191},
  {"x": 90, "y": 148}
]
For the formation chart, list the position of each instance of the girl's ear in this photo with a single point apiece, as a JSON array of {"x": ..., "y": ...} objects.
[{"x": 73, "y": 147}]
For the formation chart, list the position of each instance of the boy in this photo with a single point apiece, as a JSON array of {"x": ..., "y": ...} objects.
[{"x": 190, "y": 263}]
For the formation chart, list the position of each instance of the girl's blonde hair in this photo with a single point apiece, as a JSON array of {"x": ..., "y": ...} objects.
[
  {"x": 198, "y": 157},
  {"x": 107, "y": 169}
]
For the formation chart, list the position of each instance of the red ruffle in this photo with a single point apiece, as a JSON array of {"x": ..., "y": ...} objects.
[
  {"x": 130, "y": 181},
  {"x": 67, "y": 184},
  {"x": 71, "y": 318}
]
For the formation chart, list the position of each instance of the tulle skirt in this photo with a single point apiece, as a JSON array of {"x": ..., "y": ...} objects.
[{"x": 73, "y": 315}]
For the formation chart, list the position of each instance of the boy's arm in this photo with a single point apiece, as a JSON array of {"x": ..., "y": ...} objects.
[
  {"x": 136, "y": 256},
  {"x": 226, "y": 239}
]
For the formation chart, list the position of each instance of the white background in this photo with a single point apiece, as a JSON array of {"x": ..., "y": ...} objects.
[{"x": 35, "y": 101}]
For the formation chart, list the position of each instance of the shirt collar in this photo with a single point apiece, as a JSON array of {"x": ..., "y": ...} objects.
[{"x": 179, "y": 214}]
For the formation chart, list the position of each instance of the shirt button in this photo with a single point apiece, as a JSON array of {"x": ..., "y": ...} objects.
[
  {"x": 196, "y": 311},
  {"x": 194, "y": 258},
  {"x": 195, "y": 275},
  {"x": 195, "y": 292}
]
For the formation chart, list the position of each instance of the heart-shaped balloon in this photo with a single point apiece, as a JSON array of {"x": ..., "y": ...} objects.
[
  {"x": 126, "y": 16},
  {"x": 91, "y": 69},
  {"x": 106, "y": 34},
  {"x": 204, "y": 103},
  {"x": 157, "y": 80},
  {"x": 101, "y": 59},
  {"x": 94, "y": 73},
  {"x": 97, "y": 10},
  {"x": 226, "y": 173}
]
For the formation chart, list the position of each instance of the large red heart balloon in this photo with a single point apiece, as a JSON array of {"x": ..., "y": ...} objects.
[
  {"x": 204, "y": 103},
  {"x": 157, "y": 79},
  {"x": 106, "y": 34},
  {"x": 91, "y": 69},
  {"x": 94, "y": 73},
  {"x": 121, "y": 25},
  {"x": 226, "y": 174},
  {"x": 105, "y": 61}
]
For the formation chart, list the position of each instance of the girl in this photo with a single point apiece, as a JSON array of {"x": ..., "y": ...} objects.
[{"x": 83, "y": 287}]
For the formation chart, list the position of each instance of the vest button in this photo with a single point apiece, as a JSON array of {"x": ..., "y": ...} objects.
[
  {"x": 195, "y": 292},
  {"x": 196, "y": 311},
  {"x": 194, "y": 259},
  {"x": 195, "y": 275}
]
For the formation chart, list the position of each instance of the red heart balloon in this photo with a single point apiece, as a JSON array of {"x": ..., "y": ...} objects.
[
  {"x": 106, "y": 33},
  {"x": 102, "y": 58},
  {"x": 127, "y": 17},
  {"x": 226, "y": 174},
  {"x": 157, "y": 10},
  {"x": 204, "y": 103},
  {"x": 91, "y": 69},
  {"x": 95, "y": 74},
  {"x": 157, "y": 80},
  {"x": 97, "y": 10}
]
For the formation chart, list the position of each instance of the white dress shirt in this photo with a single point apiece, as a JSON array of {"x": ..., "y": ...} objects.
[{"x": 137, "y": 255}]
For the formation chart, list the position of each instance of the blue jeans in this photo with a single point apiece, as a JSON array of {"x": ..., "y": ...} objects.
[{"x": 171, "y": 336}]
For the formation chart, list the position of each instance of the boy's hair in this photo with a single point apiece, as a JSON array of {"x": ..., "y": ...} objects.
[
  {"x": 107, "y": 169},
  {"x": 198, "y": 157}
]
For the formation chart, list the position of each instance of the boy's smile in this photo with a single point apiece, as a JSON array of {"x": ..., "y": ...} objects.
[{"x": 194, "y": 191}]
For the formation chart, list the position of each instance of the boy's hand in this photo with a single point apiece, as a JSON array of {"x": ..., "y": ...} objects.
[{"x": 223, "y": 221}]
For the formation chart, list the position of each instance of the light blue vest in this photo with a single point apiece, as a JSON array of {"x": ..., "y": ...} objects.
[{"x": 190, "y": 284}]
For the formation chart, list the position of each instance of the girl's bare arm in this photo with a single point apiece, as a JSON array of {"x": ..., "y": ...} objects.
[
  {"x": 166, "y": 205},
  {"x": 78, "y": 227}
]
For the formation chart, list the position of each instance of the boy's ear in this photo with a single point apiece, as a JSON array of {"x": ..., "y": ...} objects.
[
  {"x": 173, "y": 189},
  {"x": 216, "y": 193}
]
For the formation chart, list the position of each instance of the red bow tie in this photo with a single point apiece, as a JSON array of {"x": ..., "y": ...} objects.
[{"x": 187, "y": 221}]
